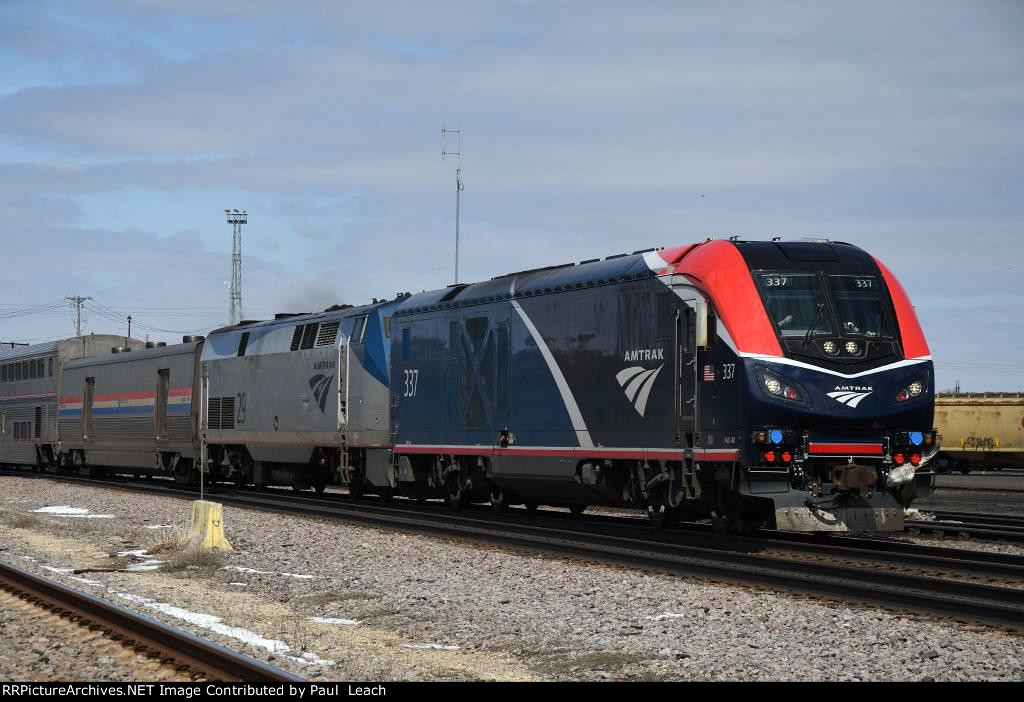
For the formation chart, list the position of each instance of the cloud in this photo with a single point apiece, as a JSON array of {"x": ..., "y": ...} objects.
[{"x": 588, "y": 130}]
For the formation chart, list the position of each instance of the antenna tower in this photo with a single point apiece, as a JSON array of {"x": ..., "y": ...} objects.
[
  {"x": 458, "y": 182},
  {"x": 236, "y": 219}
]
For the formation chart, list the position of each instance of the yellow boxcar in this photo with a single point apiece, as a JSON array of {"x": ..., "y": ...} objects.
[{"x": 980, "y": 430}]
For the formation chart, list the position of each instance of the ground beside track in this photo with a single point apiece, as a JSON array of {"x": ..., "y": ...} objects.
[
  {"x": 39, "y": 646},
  {"x": 511, "y": 615}
]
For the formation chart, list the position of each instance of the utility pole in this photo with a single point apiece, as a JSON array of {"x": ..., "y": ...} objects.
[
  {"x": 458, "y": 182},
  {"x": 236, "y": 219},
  {"x": 77, "y": 301},
  {"x": 129, "y": 326}
]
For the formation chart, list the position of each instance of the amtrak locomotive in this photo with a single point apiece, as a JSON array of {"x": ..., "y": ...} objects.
[{"x": 777, "y": 384}]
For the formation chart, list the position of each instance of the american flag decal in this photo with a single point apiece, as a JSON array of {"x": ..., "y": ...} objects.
[{"x": 709, "y": 373}]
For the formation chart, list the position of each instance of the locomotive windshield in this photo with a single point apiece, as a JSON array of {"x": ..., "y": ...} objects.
[
  {"x": 796, "y": 304},
  {"x": 859, "y": 305}
]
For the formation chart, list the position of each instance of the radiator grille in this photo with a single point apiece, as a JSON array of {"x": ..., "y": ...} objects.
[{"x": 220, "y": 413}]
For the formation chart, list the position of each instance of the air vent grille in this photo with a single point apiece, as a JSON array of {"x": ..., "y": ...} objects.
[{"x": 328, "y": 334}]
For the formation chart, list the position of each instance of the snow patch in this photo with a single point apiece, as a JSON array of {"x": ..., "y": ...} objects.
[
  {"x": 215, "y": 624},
  {"x": 66, "y": 511},
  {"x": 667, "y": 615},
  {"x": 62, "y": 571},
  {"x": 432, "y": 646},
  {"x": 914, "y": 513},
  {"x": 243, "y": 569},
  {"x": 86, "y": 581},
  {"x": 333, "y": 620},
  {"x": 158, "y": 526},
  {"x": 150, "y": 564}
]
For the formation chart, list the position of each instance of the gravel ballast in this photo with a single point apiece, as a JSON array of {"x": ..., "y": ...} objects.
[{"x": 331, "y": 600}]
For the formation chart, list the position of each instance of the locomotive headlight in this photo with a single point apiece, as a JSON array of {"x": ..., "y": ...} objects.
[
  {"x": 831, "y": 348},
  {"x": 779, "y": 387},
  {"x": 910, "y": 391},
  {"x": 852, "y": 348}
]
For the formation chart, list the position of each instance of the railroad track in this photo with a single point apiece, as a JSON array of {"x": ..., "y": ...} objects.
[
  {"x": 844, "y": 569},
  {"x": 188, "y": 654},
  {"x": 1005, "y": 527}
]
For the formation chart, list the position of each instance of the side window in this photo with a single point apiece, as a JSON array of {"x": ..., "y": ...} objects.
[
  {"x": 50, "y": 365},
  {"x": 406, "y": 351},
  {"x": 359, "y": 330}
]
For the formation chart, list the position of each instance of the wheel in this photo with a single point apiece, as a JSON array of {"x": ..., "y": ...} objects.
[
  {"x": 456, "y": 499},
  {"x": 577, "y": 508},
  {"x": 661, "y": 516},
  {"x": 355, "y": 488},
  {"x": 531, "y": 506},
  {"x": 386, "y": 494},
  {"x": 499, "y": 500},
  {"x": 319, "y": 486}
]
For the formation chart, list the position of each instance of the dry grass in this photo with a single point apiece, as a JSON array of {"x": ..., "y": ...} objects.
[
  {"x": 182, "y": 551},
  {"x": 196, "y": 557},
  {"x": 26, "y": 521},
  {"x": 169, "y": 541},
  {"x": 321, "y": 599}
]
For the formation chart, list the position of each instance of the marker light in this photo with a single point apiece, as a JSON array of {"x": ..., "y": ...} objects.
[
  {"x": 776, "y": 435},
  {"x": 769, "y": 457},
  {"x": 898, "y": 459},
  {"x": 791, "y": 394},
  {"x": 901, "y": 396},
  {"x": 773, "y": 385},
  {"x": 915, "y": 388},
  {"x": 852, "y": 348},
  {"x": 916, "y": 438},
  {"x": 915, "y": 459},
  {"x": 831, "y": 348},
  {"x": 787, "y": 457}
]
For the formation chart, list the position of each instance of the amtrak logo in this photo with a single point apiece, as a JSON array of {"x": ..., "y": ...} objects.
[
  {"x": 637, "y": 382},
  {"x": 850, "y": 395},
  {"x": 319, "y": 384}
]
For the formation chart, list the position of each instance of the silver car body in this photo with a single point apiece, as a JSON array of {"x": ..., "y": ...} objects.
[{"x": 31, "y": 379}]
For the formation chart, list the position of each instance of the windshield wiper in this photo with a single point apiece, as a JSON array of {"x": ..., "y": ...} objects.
[{"x": 814, "y": 324}]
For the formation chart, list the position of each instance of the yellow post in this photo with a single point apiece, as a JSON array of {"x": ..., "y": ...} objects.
[{"x": 208, "y": 525}]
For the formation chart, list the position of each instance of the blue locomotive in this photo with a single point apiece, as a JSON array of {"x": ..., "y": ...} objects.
[{"x": 785, "y": 384}]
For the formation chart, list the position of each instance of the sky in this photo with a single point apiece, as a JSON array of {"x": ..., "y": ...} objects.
[{"x": 588, "y": 129}]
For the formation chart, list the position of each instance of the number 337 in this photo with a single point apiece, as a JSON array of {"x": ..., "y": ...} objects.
[{"x": 412, "y": 379}]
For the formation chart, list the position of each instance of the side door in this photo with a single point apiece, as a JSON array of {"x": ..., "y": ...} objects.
[{"x": 685, "y": 374}]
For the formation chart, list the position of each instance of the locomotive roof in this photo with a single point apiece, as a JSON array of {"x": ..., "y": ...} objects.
[
  {"x": 303, "y": 317},
  {"x": 538, "y": 281}
]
